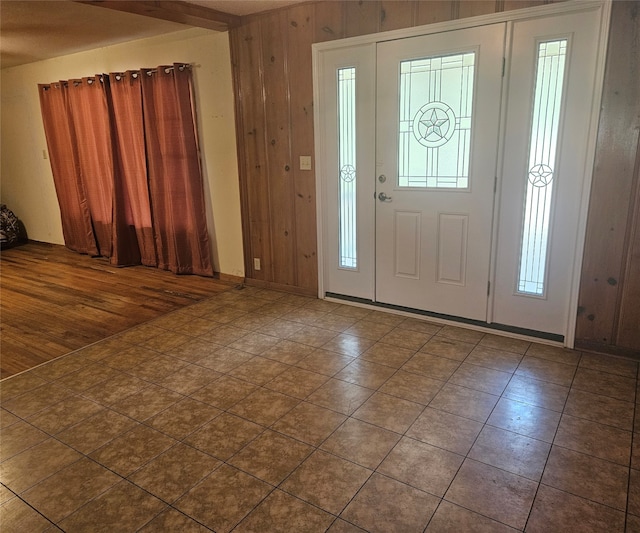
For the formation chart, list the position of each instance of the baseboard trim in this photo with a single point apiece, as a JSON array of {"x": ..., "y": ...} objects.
[
  {"x": 261, "y": 284},
  {"x": 607, "y": 349},
  {"x": 228, "y": 278}
]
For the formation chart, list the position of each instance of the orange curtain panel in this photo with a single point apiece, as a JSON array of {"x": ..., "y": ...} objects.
[{"x": 126, "y": 165}]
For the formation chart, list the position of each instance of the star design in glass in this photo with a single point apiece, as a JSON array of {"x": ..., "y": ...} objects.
[
  {"x": 540, "y": 175},
  {"x": 348, "y": 173},
  {"x": 434, "y": 124}
]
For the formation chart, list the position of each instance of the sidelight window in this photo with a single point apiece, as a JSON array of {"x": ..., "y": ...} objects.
[
  {"x": 347, "y": 181},
  {"x": 540, "y": 172}
]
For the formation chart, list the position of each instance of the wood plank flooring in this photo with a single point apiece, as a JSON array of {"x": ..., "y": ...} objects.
[{"x": 54, "y": 301}]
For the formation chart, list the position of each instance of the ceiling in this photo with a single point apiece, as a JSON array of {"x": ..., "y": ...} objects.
[{"x": 33, "y": 30}]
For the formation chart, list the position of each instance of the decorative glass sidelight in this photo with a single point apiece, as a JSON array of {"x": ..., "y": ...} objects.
[
  {"x": 347, "y": 168},
  {"x": 545, "y": 125},
  {"x": 434, "y": 130}
]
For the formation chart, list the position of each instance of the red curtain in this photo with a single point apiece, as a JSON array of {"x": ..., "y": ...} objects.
[
  {"x": 175, "y": 179},
  {"x": 90, "y": 116},
  {"x": 128, "y": 142},
  {"x": 61, "y": 141},
  {"x": 133, "y": 232}
]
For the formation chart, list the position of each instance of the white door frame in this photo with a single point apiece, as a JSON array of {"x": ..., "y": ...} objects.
[{"x": 520, "y": 14}]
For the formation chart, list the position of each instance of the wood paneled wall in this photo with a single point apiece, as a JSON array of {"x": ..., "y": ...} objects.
[
  {"x": 609, "y": 312},
  {"x": 271, "y": 56}
]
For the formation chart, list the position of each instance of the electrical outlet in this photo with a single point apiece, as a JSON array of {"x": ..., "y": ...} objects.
[
  {"x": 305, "y": 162},
  {"x": 256, "y": 263}
]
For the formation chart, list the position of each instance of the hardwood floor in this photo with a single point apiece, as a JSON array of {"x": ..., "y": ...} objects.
[{"x": 54, "y": 301}]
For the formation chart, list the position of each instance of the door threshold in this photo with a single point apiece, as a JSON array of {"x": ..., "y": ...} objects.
[{"x": 478, "y": 325}]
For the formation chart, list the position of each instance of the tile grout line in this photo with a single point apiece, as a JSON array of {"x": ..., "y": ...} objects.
[{"x": 552, "y": 444}]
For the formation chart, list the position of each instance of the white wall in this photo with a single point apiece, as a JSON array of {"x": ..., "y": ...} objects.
[{"x": 26, "y": 180}]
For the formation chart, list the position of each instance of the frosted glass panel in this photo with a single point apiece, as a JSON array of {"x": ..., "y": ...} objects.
[
  {"x": 347, "y": 167},
  {"x": 540, "y": 170},
  {"x": 436, "y": 96}
]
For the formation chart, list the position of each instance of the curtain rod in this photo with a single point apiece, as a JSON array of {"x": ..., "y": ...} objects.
[{"x": 118, "y": 75}]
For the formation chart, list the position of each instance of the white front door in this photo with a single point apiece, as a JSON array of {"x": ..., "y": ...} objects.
[{"x": 438, "y": 118}]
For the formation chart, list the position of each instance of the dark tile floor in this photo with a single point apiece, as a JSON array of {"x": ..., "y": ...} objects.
[{"x": 261, "y": 411}]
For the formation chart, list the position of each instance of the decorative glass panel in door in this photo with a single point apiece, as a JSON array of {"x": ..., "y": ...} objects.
[
  {"x": 347, "y": 182},
  {"x": 543, "y": 144},
  {"x": 434, "y": 130}
]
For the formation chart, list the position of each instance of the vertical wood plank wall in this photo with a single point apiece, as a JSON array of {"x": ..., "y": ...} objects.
[
  {"x": 609, "y": 312},
  {"x": 271, "y": 57}
]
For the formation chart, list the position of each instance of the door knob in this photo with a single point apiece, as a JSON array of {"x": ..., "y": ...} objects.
[{"x": 383, "y": 197}]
